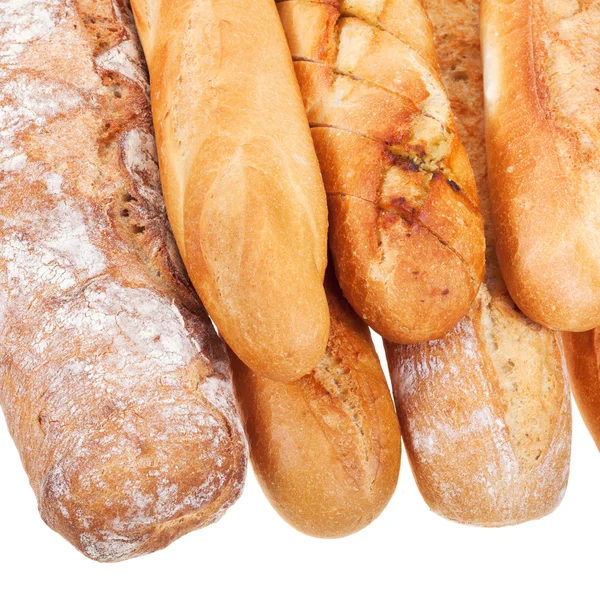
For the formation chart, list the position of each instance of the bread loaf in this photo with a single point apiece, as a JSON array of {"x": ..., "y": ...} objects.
[
  {"x": 484, "y": 411},
  {"x": 582, "y": 357},
  {"x": 325, "y": 448},
  {"x": 114, "y": 384},
  {"x": 405, "y": 229},
  {"x": 241, "y": 180},
  {"x": 542, "y": 99}
]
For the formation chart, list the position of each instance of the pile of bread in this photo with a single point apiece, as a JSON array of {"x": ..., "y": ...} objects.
[{"x": 452, "y": 185}]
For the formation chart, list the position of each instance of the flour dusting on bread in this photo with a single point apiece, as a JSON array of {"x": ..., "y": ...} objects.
[{"x": 114, "y": 383}]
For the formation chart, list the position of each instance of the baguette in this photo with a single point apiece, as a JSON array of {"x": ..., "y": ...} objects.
[
  {"x": 583, "y": 362},
  {"x": 405, "y": 230},
  {"x": 485, "y": 411},
  {"x": 325, "y": 448},
  {"x": 241, "y": 180},
  {"x": 114, "y": 384},
  {"x": 542, "y": 102}
]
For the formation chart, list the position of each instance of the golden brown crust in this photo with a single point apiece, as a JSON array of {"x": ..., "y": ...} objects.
[
  {"x": 325, "y": 448},
  {"x": 581, "y": 354},
  {"x": 387, "y": 235},
  {"x": 411, "y": 262},
  {"x": 114, "y": 384},
  {"x": 542, "y": 64},
  {"x": 485, "y": 410},
  {"x": 240, "y": 176},
  {"x": 407, "y": 22}
]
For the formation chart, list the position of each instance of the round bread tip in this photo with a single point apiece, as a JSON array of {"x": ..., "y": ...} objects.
[
  {"x": 325, "y": 448},
  {"x": 119, "y": 496}
]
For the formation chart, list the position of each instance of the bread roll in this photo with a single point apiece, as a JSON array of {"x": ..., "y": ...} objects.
[
  {"x": 241, "y": 180},
  {"x": 114, "y": 384},
  {"x": 484, "y": 411},
  {"x": 542, "y": 98},
  {"x": 405, "y": 229},
  {"x": 325, "y": 448},
  {"x": 581, "y": 353}
]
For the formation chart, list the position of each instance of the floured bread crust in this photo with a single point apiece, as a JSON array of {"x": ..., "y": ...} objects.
[
  {"x": 484, "y": 411},
  {"x": 485, "y": 417},
  {"x": 405, "y": 229},
  {"x": 115, "y": 386},
  {"x": 542, "y": 67}
]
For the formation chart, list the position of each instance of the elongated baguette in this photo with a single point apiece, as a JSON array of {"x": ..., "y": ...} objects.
[
  {"x": 405, "y": 229},
  {"x": 485, "y": 411},
  {"x": 583, "y": 361},
  {"x": 241, "y": 180},
  {"x": 114, "y": 384},
  {"x": 542, "y": 100},
  {"x": 325, "y": 448}
]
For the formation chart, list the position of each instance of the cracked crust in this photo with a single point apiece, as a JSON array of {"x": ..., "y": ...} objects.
[
  {"x": 114, "y": 384},
  {"x": 379, "y": 112},
  {"x": 484, "y": 411},
  {"x": 240, "y": 176},
  {"x": 326, "y": 448},
  {"x": 542, "y": 67}
]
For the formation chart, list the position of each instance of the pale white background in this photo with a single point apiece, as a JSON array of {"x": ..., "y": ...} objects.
[{"x": 407, "y": 553}]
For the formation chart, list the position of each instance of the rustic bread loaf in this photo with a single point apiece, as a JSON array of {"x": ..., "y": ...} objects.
[
  {"x": 542, "y": 99},
  {"x": 241, "y": 180},
  {"x": 405, "y": 229},
  {"x": 325, "y": 448},
  {"x": 484, "y": 411},
  {"x": 115, "y": 386}
]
